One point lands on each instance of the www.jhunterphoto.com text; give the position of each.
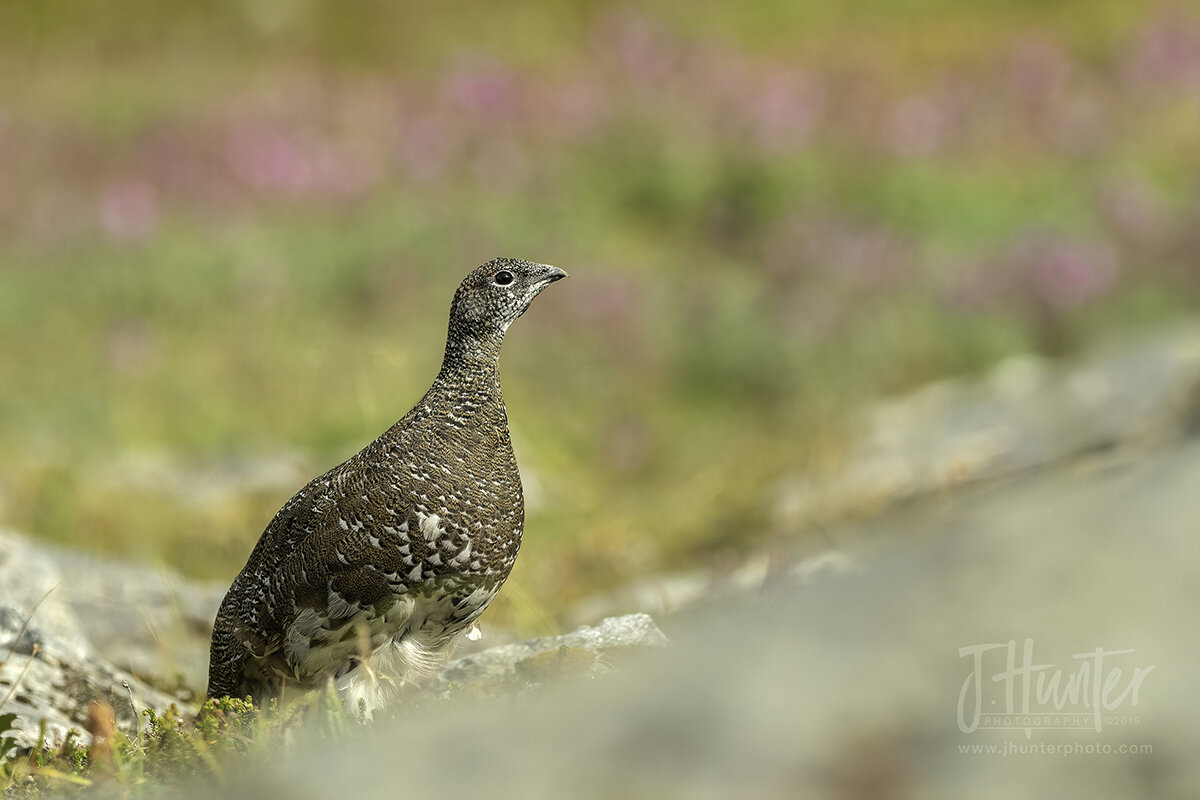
(1021, 747)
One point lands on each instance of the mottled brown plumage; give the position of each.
(371, 571)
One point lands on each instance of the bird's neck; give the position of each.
(472, 362)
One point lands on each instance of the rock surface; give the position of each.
(1027, 413)
(588, 650)
(49, 670)
(149, 621)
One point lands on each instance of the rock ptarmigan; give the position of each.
(368, 575)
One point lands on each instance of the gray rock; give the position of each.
(1027, 413)
(665, 595)
(585, 651)
(149, 621)
(30, 579)
(48, 668)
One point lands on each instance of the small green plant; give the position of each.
(7, 743)
(169, 748)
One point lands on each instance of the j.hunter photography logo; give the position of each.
(1005, 689)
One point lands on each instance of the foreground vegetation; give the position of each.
(168, 749)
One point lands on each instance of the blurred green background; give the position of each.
(229, 233)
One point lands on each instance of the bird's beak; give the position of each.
(554, 273)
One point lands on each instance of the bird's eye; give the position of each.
(503, 278)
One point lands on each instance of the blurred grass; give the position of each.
(230, 231)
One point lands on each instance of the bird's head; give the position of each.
(494, 295)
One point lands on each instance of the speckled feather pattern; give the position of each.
(370, 572)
